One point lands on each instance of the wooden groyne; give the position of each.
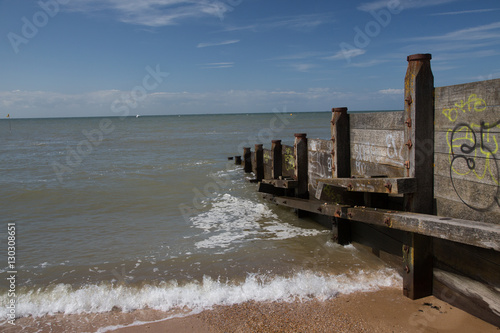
(420, 187)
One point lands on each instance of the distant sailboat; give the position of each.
(137, 116)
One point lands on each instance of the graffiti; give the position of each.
(392, 149)
(267, 156)
(473, 104)
(478, 158)
(363, 154)
(289, 159)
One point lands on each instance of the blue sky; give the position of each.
(155, 57)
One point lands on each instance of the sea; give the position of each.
(114, 218)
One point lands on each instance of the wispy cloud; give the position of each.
(403, 4)
(154, 13)
(215, 65)
(487, 31)
(346, 54)
(299, 22)
(391, 91)
(227, 42)
(475, 11)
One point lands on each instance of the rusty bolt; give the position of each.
(408, 122)
(387, 221)
(406, 248)
(335, 237)
(409, 100)
(388, 186)
(338, 213)
(407, 269)
(350, 187)
(407, 164)
(409, 144)
(284, 202)
(319, 209)
(349, 215)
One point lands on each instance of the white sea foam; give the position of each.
(196, 295)
(232, 220)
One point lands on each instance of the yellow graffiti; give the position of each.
(473, 104)
(466, 135)
(289, 159)
(267, 156)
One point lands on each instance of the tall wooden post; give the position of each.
(301, 165)
(277, 157)
(341, 163)
(247, 160)
(341, 153)
(259, 162)
(419, 140)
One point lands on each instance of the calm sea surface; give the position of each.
(147, 212)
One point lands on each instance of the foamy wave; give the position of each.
(233, 220)
(196, 295)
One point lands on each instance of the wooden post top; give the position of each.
(276, 141)
(300, 135)
(419, 56)
(342, 110)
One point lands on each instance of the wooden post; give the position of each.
(419, 152)
(277, 158)
(301, 165)
(259, 162)
(237, 160)
(341, 153)
(419, 132)
(247, 160)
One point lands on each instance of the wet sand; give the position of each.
(382, 311)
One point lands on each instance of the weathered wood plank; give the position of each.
(470, 102)
(327, 193)
(474, 262)
(281, 183)
(378, 120)
(452, 208)
(471, 296)
(374, 185)
(373, 169)
(313, 206)
(473, 196)
(288, 159)
(267, 162)
(479, 234)
(340, 137)
(489, 115)
(301, 166)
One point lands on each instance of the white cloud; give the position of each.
(475, 11)
(346, 54)
(400, 4)
(227, 42)
(214, 65)
(482, 32)
(391, 91)
(154, 13)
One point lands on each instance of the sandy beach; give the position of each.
(381, 311)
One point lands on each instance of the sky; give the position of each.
(80, 58)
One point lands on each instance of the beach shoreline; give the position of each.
(385, 310)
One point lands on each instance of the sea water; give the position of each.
(148, 213)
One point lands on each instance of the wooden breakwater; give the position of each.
(420, 187)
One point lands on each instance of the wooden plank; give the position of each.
(476, 196)
(455, 209)
(288, 159)
(448, 120)
(479, 234)
(393, 120)
(470, 102)
(469, 295)
(320, 166)
(327, 193)
(378, 146)
(473, 262)
(276, 156)
(313, 206)
(374, 185)
(371, 169)
(267, 163)
(340, 137)
(281, 183)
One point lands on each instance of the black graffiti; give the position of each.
(465, 151)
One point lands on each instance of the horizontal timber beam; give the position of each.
(374, 185)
